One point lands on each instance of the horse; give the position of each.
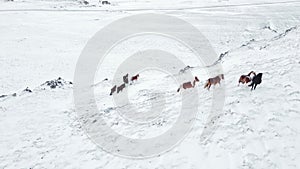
(133, 78)
(112, 90)
(214, 81)
(125, 78)
(246, 78)
(121, 87)
(256, 80)
(188, 84)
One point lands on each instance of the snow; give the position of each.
(258, 129)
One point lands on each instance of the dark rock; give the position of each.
(85, 2)
(27, 90)
(185, 69)
(105, 3)
(52, 86)
(57, 83)
(1, 96)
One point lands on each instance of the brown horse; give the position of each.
(121, 87)
(214, 81)
(125, 78)
(112, 90)
(188, 84)
(133, 78)
(246, 78)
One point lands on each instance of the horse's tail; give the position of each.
(240, 81)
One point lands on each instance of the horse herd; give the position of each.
(122, 86)
(252, 77)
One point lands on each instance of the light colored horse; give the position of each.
(214, 81)
(188, 84)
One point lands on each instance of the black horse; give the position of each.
(255, 81)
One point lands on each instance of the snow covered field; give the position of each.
(42, 40)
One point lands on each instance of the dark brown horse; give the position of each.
(214, 81)
(246, 78)
(121, 87)
(134, 78)
(112, 90)
(125, 78)
(188, 84)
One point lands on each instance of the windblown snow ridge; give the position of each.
(250, 42)
(262, 43)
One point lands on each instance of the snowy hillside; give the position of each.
(39, 125)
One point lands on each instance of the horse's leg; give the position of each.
(179, 88)
(252, 86)
(206, 84)
(255, 86)
(111, 91)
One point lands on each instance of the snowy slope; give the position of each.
(258, 129)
